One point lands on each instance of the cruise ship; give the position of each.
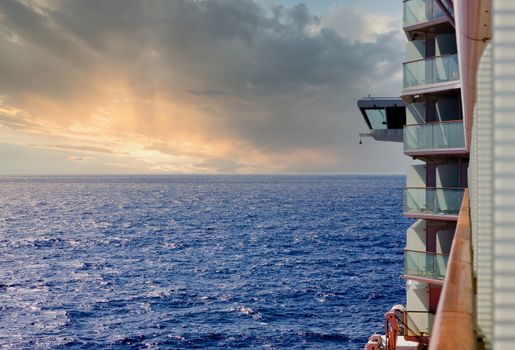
(456, 119)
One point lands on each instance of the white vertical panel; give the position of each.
(416, 236)
(415, 50)
(482, 195)
(417, 299)
(472, 180)
(415, 113)
(504, 174)
(416, 175)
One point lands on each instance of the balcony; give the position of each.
(425, 265)
(455, 326)
(428, 71)
(439, 203)
(441, 137)
(420, 11)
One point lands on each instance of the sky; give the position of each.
(195, 86)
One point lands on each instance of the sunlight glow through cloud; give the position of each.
(212, 86)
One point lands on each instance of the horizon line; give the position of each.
(207, 174)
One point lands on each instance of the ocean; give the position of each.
(198, 262)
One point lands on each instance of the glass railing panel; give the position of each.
(436, 11)
(434, 136)
(419, 264)
(439, 67)
(440, 266)
(444, 68)
(414, 73)
(411, 138)
(415, 137)
(453, 66)
(415, 200)
(436, 201)
(447, 201)
(414, 12)
(425, 264)
(420, 11)
(431, 71)
(448, 135)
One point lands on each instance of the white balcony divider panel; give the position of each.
(416, 175)
(504, 173)
(415, 113)
(417, 296)
(417, 299)
(481, 205)
(416, 236)
(415, 50)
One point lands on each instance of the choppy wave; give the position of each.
(182, 262)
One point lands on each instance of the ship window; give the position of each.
(377, 118)
(396, 117)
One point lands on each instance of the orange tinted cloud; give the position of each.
(185, 86)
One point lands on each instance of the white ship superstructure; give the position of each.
(459, 125)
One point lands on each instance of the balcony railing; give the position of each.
(434, 136)
(432, 201)
(425, 264)
(431, 71)
(454, 326)
(419, 11)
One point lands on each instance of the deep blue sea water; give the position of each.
(189, 262)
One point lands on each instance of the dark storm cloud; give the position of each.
(279, 79)
(228, 45)
(44, 58)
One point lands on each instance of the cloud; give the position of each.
(80, 148)
(211, 85)
(79, 159)
(17, 123)
(350, 22)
